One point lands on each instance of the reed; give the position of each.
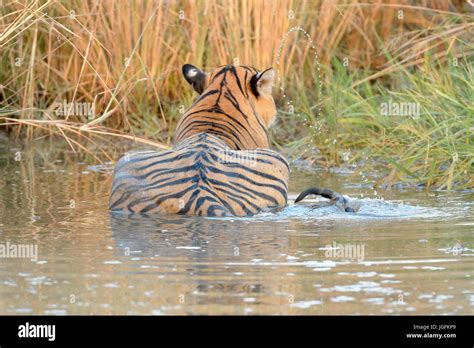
(124, 58)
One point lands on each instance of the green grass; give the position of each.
(434, 148)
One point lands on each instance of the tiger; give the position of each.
(221, 163)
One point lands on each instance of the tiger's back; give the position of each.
(221, 164)
(206, 178)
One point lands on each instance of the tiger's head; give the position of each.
(241, 87)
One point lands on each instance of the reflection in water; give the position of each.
(211, 239)
(418, 249)
(205, 247)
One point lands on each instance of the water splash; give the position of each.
(366, 209)
(288, 100)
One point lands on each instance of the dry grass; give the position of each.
(125, 57)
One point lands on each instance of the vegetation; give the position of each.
(386, 85)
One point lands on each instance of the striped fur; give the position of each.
(220, 164)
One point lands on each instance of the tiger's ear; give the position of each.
(195, 77)
(262, 83)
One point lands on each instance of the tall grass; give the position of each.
(433, 146)
(125, 58)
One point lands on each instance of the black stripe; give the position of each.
(223, 202)
(163, 184)
(213, 110)
(234, 72)
(252, 193)
(274, 155)
(230, 97)
(211, 124)
(212, 208)
(163, 199)
(205, 95)
(203, 199)
(189, 203)
(243, 177)
(236, 198)
(134, 188)
(257, 117)
(157, 173)
(135, 159)
(177, 157)
(255, 172)
(246, 92)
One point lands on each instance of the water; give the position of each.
(403, 252)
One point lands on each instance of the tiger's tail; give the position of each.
(326, 193)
